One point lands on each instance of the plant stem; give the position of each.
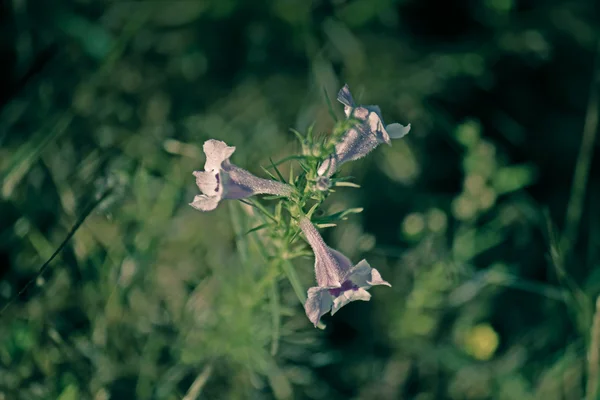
(593, 357)
(584, 160)
(196, 388)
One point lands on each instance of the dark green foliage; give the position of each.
(483, 218)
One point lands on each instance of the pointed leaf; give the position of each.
(258, 228)
(268, 173)
(281, 178)
(329, 105)
(347, 184)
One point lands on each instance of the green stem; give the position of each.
(584, 160)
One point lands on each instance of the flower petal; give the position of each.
(331, 266)
(207, 181)
(239, 184)
(374, 109)
(360, 274)
(343, 262)
(328, 167)
(376, 279)
(396, 131)
(363, 276)
(323, 183)
(317, 304)
(205, 203)
(376, 127)
(348, 296)
(360, 113)
(216, 153)
(345, 97)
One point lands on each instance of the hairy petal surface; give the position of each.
(223, 180)
(363, 138)
(339, 282)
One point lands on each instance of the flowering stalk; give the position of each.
(339, 281)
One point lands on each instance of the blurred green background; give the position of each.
(484, 218)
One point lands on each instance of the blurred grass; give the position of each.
(151, 299)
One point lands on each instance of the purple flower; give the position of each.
(359, 140)
(339, 281)
(223, 180)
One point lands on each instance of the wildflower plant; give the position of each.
(338, 280)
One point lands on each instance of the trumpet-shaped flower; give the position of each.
(339, 281)
(223, 180)
(361, 139)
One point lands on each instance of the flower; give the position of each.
(323, 183)
(223, 180)
(339, 282)
(359, 140)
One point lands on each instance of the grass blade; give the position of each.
(72, 232)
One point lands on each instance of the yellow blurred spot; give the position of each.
(463, 207)
(413, 224)
(487, 198)
(481, 341)
(366, 242)
(474, 183)
(437, 220)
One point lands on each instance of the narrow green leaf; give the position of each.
(338, 216)
(22, 159)
(196, 389)
(309, 134)
(296, 254)
(290, 273)
(347, 184)
(305, 167)
(87, 211)
(258, 228)
(260, 207)
(276, 317)
(294, 236)
(238, 223)
(273, 197)
(281, 178)
(285, 159)
(268, 173)
(298, 135)
(326, 225)
(580, 302)
(312, 210)
(278, 210)
(329, 105)
(71, 392)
